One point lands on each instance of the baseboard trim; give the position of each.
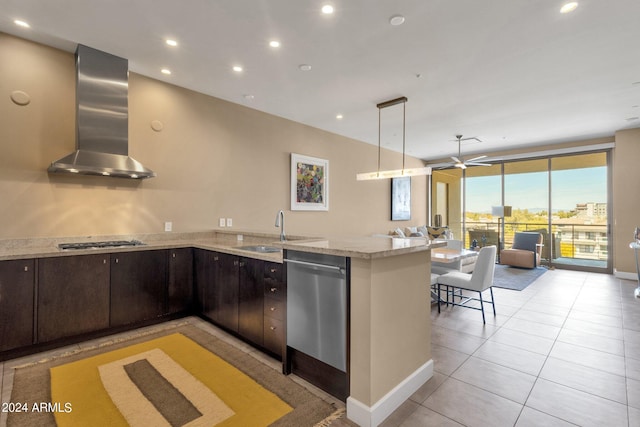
(373, 416)
(625, 275)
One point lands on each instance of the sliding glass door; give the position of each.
(580, 219)
(566, 198)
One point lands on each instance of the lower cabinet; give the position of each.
(251, 300)
(244, 295)
(275, 308)
(17, 282)
(138, 286)
(180, 284)
(73, 295)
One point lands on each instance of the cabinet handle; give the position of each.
(235, 262)
(273, 290)
(215, 258)
(273, 270)
(173, 254)
(26, 268)
(272, 308)
(104, 261)
(116, 260)
(241, 264)
(273, 328)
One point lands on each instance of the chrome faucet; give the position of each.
(279, 221)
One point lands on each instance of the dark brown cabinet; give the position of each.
(138, 286)
(225, 290)
(73, 295)
(217, 287)
(251, 300)
(17, 281)
(180, 285)
(275, 308)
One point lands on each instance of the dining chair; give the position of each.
(480, 280)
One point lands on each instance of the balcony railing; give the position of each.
(573, 240)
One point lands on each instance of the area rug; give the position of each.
(179, 376)
(515, 278)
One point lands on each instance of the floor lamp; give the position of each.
(501, 212)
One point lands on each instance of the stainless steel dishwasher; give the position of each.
(317, 300)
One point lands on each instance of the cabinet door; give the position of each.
(225, 293)
(73, 295)
(138, 286)
(203, 277)
(16, 303)
(180, 287)
(251, 300)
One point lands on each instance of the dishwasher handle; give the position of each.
(313, 264)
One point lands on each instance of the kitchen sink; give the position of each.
(260, 248)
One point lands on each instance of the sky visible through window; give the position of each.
(530, 190)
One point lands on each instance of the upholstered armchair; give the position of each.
(525, 251)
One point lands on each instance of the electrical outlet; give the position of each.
(229, 222)
(221, 222)
(168, 226)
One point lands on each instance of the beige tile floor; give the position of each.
(563, 352)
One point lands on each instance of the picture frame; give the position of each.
(401, 199)
(309, 183)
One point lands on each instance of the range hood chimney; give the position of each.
(102, 119)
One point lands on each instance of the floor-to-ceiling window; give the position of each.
(563, 197)
(579, 203)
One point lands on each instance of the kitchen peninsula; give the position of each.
(389, 324)
(390, 327)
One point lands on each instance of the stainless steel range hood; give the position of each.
(102, 119)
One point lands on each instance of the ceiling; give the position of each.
(514, 73)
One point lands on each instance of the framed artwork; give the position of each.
(401, 199)
(309, 183)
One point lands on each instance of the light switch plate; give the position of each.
(221, 222)
(168, 226)
(229, 222)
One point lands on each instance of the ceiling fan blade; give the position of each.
(455, 159)
(440, 165)
(478, 164)
(460, 165)
(476, 158)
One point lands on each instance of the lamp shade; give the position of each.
(501, 211)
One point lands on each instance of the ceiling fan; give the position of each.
(458, 162)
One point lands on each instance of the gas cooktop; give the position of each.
(100, 245)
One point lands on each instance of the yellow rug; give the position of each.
(166, 381)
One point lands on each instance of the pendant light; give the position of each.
(396, 172)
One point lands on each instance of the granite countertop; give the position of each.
(228, 241)
(363, 247)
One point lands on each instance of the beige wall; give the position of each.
(213, 159)
(626, 198)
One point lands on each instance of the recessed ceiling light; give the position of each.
(304, 67)
(20, 23)
(274, 43)
(396, 20)
(237, 68)
(569, 7)
(327, 9)
(171, 42)
(339, 117)
(166, 71)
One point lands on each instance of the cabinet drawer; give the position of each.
(274, 308)
(274, 271)
(274, 335)
(274, 289)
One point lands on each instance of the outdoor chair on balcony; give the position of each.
(481, 279)
(525, 251)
